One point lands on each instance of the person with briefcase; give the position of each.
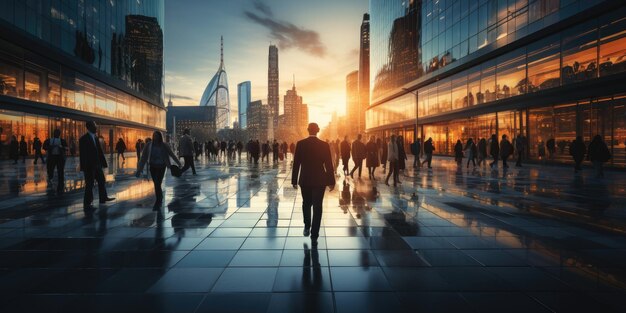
(157, 155)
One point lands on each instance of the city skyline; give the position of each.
(319, 55)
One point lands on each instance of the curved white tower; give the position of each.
(216, 94)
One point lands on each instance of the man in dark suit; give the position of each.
(92, 162)
(358, 155)
(56, 148)
(313, 163)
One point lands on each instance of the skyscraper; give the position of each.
(352, 102)
(62, 64)
(296, 116)
(548, 70)
(258, 116)
(364, 73)
(143, 38)
(216, 93)
(272, 85)
(243, 102)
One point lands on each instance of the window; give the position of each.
(444, 96)
(473, 86)
(544, 64)
(11, 80)
(511, 77)
(32, 87)
(613, 44)
(54, 90)
(580, 54)
(487, 82)
(459, 91)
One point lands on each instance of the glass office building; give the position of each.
(453, 69)
(243, 102)
(63, 62)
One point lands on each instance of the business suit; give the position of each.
(186, 150)
(92, 161)
(312, 171)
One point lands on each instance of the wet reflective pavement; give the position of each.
(535, 239)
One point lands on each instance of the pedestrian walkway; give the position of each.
(531, 239)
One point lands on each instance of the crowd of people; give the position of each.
(155, 153)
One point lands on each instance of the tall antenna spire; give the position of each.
(294, 81)
(221, 50)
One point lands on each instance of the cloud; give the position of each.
(175, 96)
(263, 8)
(288, 35)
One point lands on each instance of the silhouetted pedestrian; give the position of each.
(275, 151)
(312, 170)
(14, 149)
(37, 148)
(138, 147)
(92, 162)
(392, 156)
(56, 149)
(494, 150)
(120, 147)
(578, 150)
(506, 149)
(345, 155)
(23, 149)
(265, 150)
(186, 151)
(156, 155)
(239, 149)
(598, 153)
(358, 155)
(458, 153)
(372, 161)
(428, 151)
(416, 150)
(401, 153)
(471, 149)
(482, 151)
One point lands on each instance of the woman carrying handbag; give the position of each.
(157, 155)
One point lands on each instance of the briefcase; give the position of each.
(175, 170)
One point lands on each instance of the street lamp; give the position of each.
(416, 110)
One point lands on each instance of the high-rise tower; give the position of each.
(216, 93)
(364, 72)
(272, 84)
(243, 102)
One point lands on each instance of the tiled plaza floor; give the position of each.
(535, 239)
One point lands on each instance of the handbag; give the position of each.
(175, 170)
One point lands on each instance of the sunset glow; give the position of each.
(316, 45)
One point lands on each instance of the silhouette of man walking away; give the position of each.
(92, 162)
(313, 163)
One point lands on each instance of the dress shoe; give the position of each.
(306, 232)
(107, 199)
(314, 242)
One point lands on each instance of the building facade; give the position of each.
(243, 102)
(364, 72)
(296, 117)
(65, 62)
(547, 69)
(273, 97)
(216, 94)
(353, 106)
(258, 120)
(200, 120)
